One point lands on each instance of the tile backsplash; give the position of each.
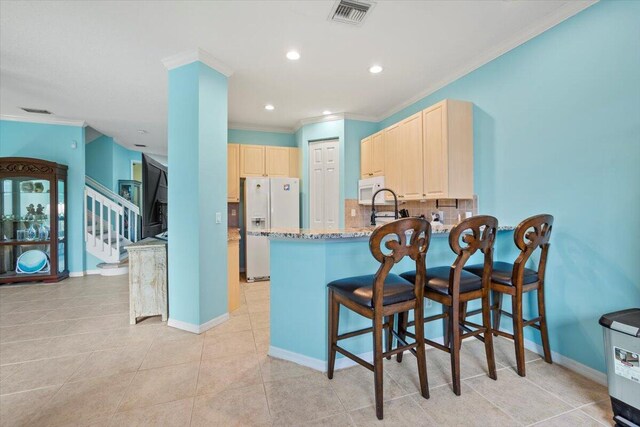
(362, 216)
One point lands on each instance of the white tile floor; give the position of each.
(69, 357)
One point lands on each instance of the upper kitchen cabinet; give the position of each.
(294, 163)
(252, 160)
(277, 161)
(411, 154)
(233, 173)
(261, 160)
(403, 169)
(448, 150)
(372, 156)
(393, 160)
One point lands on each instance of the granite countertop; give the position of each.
(148, 242)
(344, 233)
(233, 234)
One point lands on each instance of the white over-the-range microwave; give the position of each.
(368, 186)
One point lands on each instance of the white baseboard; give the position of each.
(570, 364)
(76, 273)
(84, 273)
(198, 329)
(92, 272)
(312, 362)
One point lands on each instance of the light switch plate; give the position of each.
(353, 212)
(233, 212)
(218, 217)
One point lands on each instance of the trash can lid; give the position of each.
(625, 321)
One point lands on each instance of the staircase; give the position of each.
(111, 223)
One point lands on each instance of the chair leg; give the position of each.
(488, 336)
(334, 316)
(496, 308)
(454, 345)
(445, 325)
(402, 328)
(377, 362)
(420, 350)
(518, 332)
(544, 332)
(390, 320)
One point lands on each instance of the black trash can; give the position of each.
(622, 355)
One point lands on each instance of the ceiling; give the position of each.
(101, 61)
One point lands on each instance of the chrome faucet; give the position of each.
(373, 204)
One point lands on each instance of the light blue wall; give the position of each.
(238, 136)
(354, 132)
(122, 158)
(197, 134)
(309, 133)
(557, 130)
(108, 162)
(53, 143)
(99, 160)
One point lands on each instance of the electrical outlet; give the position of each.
(233, 212)
(218, 217)
(353, 212)
(428, 303)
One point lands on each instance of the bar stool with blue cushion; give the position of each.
(453, 287)
(516, 279)
(380, 296)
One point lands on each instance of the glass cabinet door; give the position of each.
(25, 226)
(62, 227)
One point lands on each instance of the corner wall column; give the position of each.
(197, 151)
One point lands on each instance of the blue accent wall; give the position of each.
(239, 136)
(557, 130)
(108, 162)
(53, 143)
(197, 134)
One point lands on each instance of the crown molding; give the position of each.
(49, 120)
(259, 128)
(333, 117)
(203, 56)
(551, 20)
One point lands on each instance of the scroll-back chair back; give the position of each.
(531, 234)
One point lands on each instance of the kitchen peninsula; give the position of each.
(304, 261)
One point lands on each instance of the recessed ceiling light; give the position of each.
(142, 131)
(269, 107)
(140, 145)
(375, 69)
(293, 55)
(325, 112)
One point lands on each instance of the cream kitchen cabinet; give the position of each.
(252, 160)
(268, 161)
(294, 163)
(403, 158)
(448, 150)
(277, 161)
(233, 173)
(372, 156)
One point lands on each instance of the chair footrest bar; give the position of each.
(532, 321)
(399, 350)
(502, 333)
(437, 345)
(359, 332)
(355, 358)
(474, 312)
(473, 325)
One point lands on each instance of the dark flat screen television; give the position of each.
(155, 190)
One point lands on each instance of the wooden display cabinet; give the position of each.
(33, 221)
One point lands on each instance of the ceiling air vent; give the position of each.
(35, 110)
(351, 11)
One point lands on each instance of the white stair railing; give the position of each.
(110, 222)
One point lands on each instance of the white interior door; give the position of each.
(324, 184)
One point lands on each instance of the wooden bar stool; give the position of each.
(453, 287)
(383, 295)
(515, 279)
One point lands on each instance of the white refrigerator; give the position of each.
(269, 203)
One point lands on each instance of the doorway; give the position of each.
(136, 170)
(324, 184)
